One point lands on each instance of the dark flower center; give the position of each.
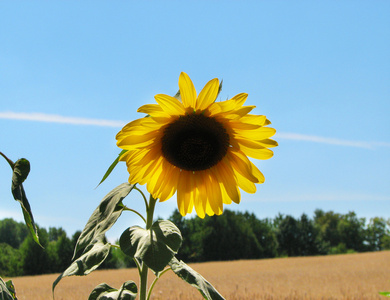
(195, 142)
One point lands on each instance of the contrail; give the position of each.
(52, 118)
(328, 140)
(49, 118)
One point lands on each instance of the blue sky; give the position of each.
(72, 72)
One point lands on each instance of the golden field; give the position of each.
(350, 276)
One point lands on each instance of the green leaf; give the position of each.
(104, 216)
(93, 256)
(128, 291)
(91, 243)
(21, 169)
(113, 165)
(11, 163)
(7, 290)
(155, 246)
(387, 294)
(195, 279)
(11, 288)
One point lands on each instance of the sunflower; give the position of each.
(196, 147)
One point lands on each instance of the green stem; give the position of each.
(143, 196)
(11, 163)
(136, 212)
(155, 281)
(138, 266)
(115, 246)
(144, 268)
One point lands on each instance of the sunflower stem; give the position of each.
(155, 281)
(144, 269)
(11, 163)
(136, 212)
(143, 196)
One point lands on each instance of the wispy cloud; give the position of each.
(52, 118)
(40, 117)
(328, 140)
(325, 197)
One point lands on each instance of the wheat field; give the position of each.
(351, 276)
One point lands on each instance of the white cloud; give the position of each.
(330, 141)
(325, 197)
(52, 118)
(40, 117)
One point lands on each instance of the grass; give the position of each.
(351, 276)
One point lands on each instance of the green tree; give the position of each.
(327, 223)
(265, 235)
(75, 237)
(35, 260)
(116, 259)
(377, 234)
(9, 261)
(193, 231)
(64, 252)
(308, 237)
(55, 233)
(230, 237)
(288, 237)
(13, 233)
(351, 231)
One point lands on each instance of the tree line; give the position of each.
(233, 235)
(236, 235)
(21, 255)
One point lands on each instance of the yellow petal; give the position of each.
(170, 105)
(125, 156)
(239, 113)
(201, 201)
(163, 120)
(239, 196)
(225, 175)
(248, 143)
(256, 134)
(142, 169)
(153, 183)
(239, 99)
(254, 119)
(222, 107)
(142, 129)
(213, 194)
(208, 94)
(257, 173)
(268, 143)
(245, 184)
(213, 109)
(238, 124)
(169, 186)
(181, 193)
(209, 210)
(198, 203)
(241, 164)
(187, 90)
(257, 152)
(150, 109)
(138, 140)
(225, 197)
(185, 192)
(129, 126)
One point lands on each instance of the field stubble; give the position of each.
(352, 276)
